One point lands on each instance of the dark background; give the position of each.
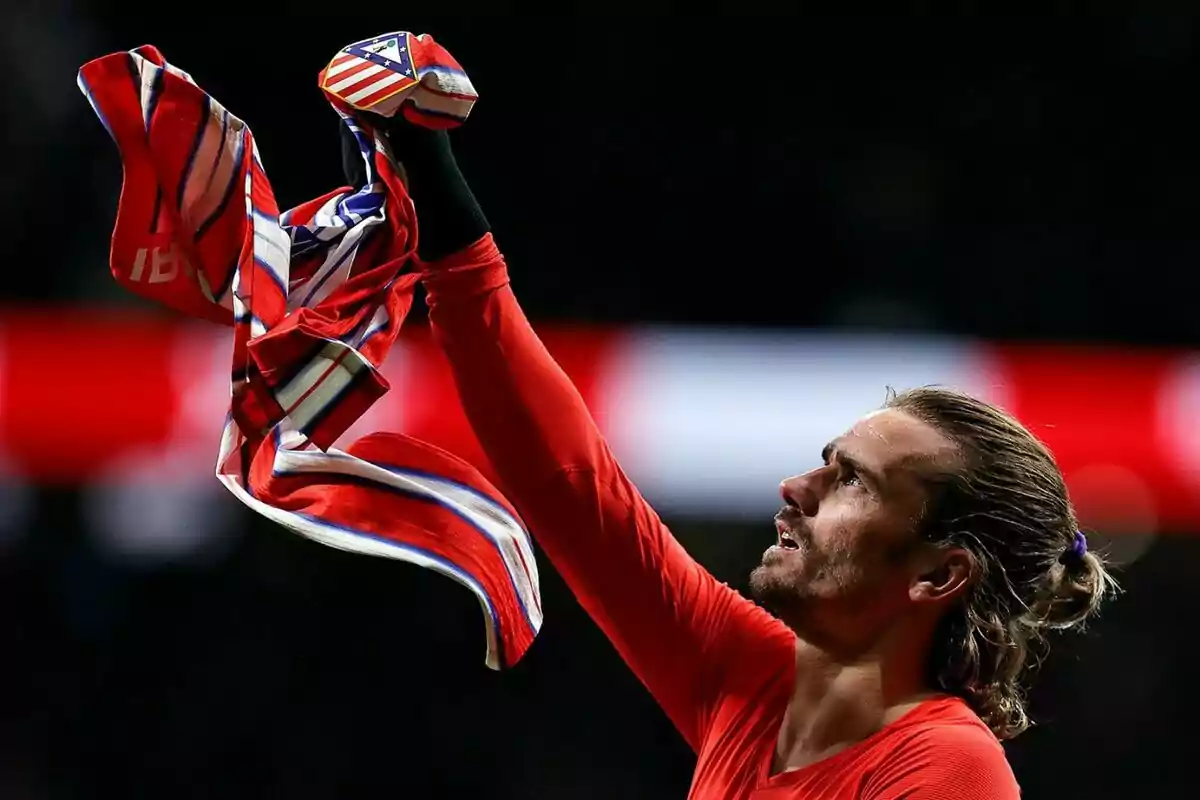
(1014, 179)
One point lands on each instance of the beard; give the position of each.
(782, 583)
(795, 585)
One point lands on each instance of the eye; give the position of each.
(848, 477)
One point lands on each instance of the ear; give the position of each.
(944, 576)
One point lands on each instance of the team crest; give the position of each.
(374, 74)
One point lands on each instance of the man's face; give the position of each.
(848, 529)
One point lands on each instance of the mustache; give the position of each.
(795, 522)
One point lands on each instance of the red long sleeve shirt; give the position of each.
(721, 668)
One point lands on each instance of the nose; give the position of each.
(799, 492)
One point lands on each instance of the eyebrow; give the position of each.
(831, 453)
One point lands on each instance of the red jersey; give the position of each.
(721, 668)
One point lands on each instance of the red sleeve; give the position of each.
(676, 626)
(949, 762)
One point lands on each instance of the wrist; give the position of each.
(448, 215)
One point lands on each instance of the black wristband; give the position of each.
(352, 160)
(449, 217)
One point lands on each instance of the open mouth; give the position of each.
(786, 539)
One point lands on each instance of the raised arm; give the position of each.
(685, 634)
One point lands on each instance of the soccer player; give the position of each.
(913, 575)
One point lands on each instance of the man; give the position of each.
(913, 573)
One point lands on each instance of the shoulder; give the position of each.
(948, 753)
(748, 645)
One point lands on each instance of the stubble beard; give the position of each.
(782, 592)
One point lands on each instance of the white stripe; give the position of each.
(382, 83)
(442, 105)
(513, 540)
(227, 452)
(330, 386)
(327, 217)
(333, 260)
(318, 384)
(292, 439)
(446, 80)
(217, 160)
(325, 224)
(343, 266)
(147, 71)
(271, 243)
(347, 82)
(177, 71)
(338, 69)
(341, 539)
(87, 93)
(272, 246)
(491, 518)
(378, 321)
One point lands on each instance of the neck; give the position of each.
(842, 698)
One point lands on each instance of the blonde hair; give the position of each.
(1006, 503)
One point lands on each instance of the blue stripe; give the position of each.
(355, 379)
(249, 319)
(230, 273)
(91, 98)
(372, 333)
(416, 473)
(155, 87)
(366, 204)
(282, 379)
(189, 165)
(330, 272)
(440, 68)
(404, 472)
(454, 569)
(450, 566)
(437, 501)
(275, 279)
(229, 188)
(157, 213)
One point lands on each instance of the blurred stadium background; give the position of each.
(735, 233)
